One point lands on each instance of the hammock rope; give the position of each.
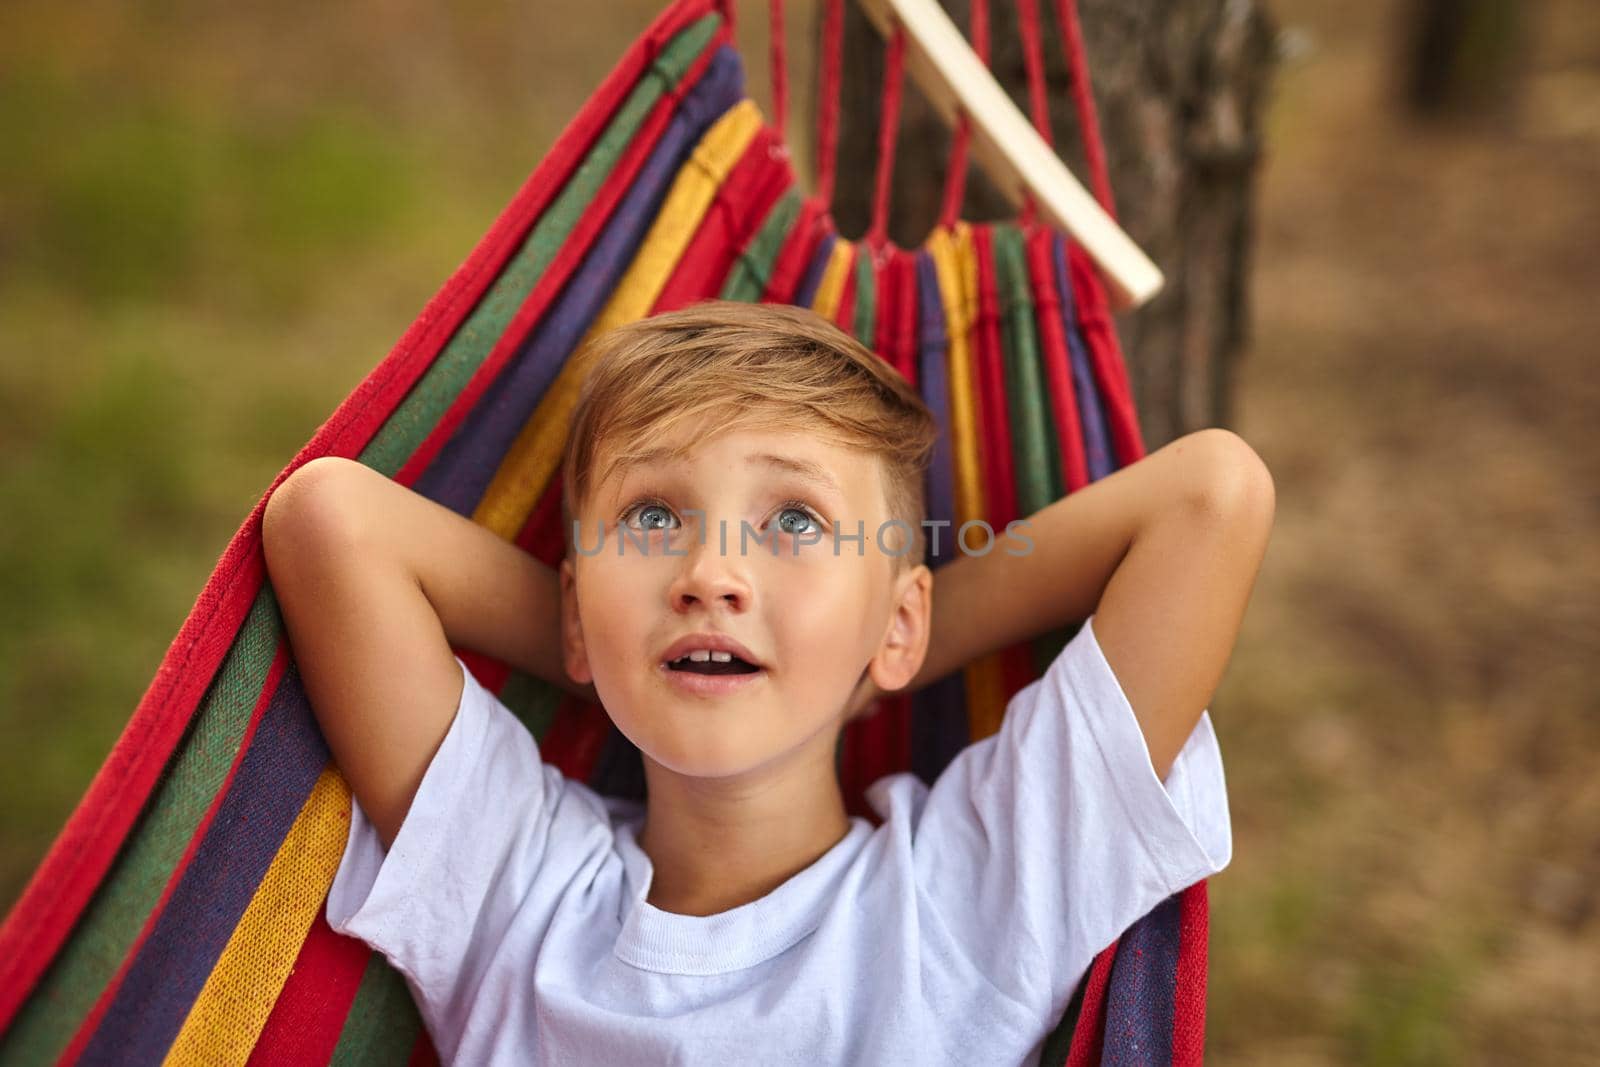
(888, 132)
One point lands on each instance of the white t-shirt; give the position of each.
(513, 898)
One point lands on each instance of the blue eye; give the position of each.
(647, 508)
(808, 519)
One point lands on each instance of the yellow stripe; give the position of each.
(233, 1005)
(830, 290)
(969, 500)
(956, 265)
(963, 419)
(532, 460)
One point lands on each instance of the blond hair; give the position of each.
(729, 366)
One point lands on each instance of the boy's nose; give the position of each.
(707, 577)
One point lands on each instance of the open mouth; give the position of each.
(733, 665)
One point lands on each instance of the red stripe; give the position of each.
(311, 1011)
(55, 896)
(575, 738)
(909, 336)
(423, 1053)
(490, 672)
(1088, 1034)
(90, 1022)
(1105, 356)
(566, 260)
(1189, 993)
(1039, 243)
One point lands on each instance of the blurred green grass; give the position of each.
(189, 291)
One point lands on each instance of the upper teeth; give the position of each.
(700, 655)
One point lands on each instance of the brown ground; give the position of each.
(1410, 717)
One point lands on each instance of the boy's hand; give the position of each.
(377, 584)
(1163, 553)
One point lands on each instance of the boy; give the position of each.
(738, 584)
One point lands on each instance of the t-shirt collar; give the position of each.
(740, 937)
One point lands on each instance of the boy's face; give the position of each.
(814, 619)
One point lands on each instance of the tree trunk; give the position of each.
(1180, 86)
(1461, 56)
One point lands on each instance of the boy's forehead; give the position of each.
(828, 466)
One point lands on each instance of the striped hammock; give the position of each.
(179, 915)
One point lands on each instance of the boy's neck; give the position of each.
(712, 851)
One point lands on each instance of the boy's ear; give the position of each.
(574, 657)
(905, 643)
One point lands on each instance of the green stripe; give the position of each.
(383, 1023)
(533, 700)
(753, 268)
(866, 321)
(1035, 452)
(411, 421)
(1030, 430)
(132, 886)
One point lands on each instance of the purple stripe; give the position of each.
(268, 791)
(939, 728)
(806, 295)
(1141, 995)
(459, 475)
(933, 378)
(1096, 441)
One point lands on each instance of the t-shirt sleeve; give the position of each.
(479, 829)
(1042, 844)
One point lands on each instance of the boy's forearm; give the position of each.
(514, 616)
(985, 603)
(489, 594)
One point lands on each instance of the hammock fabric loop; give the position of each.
(828, 82)
(888, 131)
(780, 66)
(955, 174)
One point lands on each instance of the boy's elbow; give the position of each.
(312, 509)
(1230, 481)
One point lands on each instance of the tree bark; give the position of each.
(1180, 86)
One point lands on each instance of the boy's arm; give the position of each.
(1164, 554)
(376, 583)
